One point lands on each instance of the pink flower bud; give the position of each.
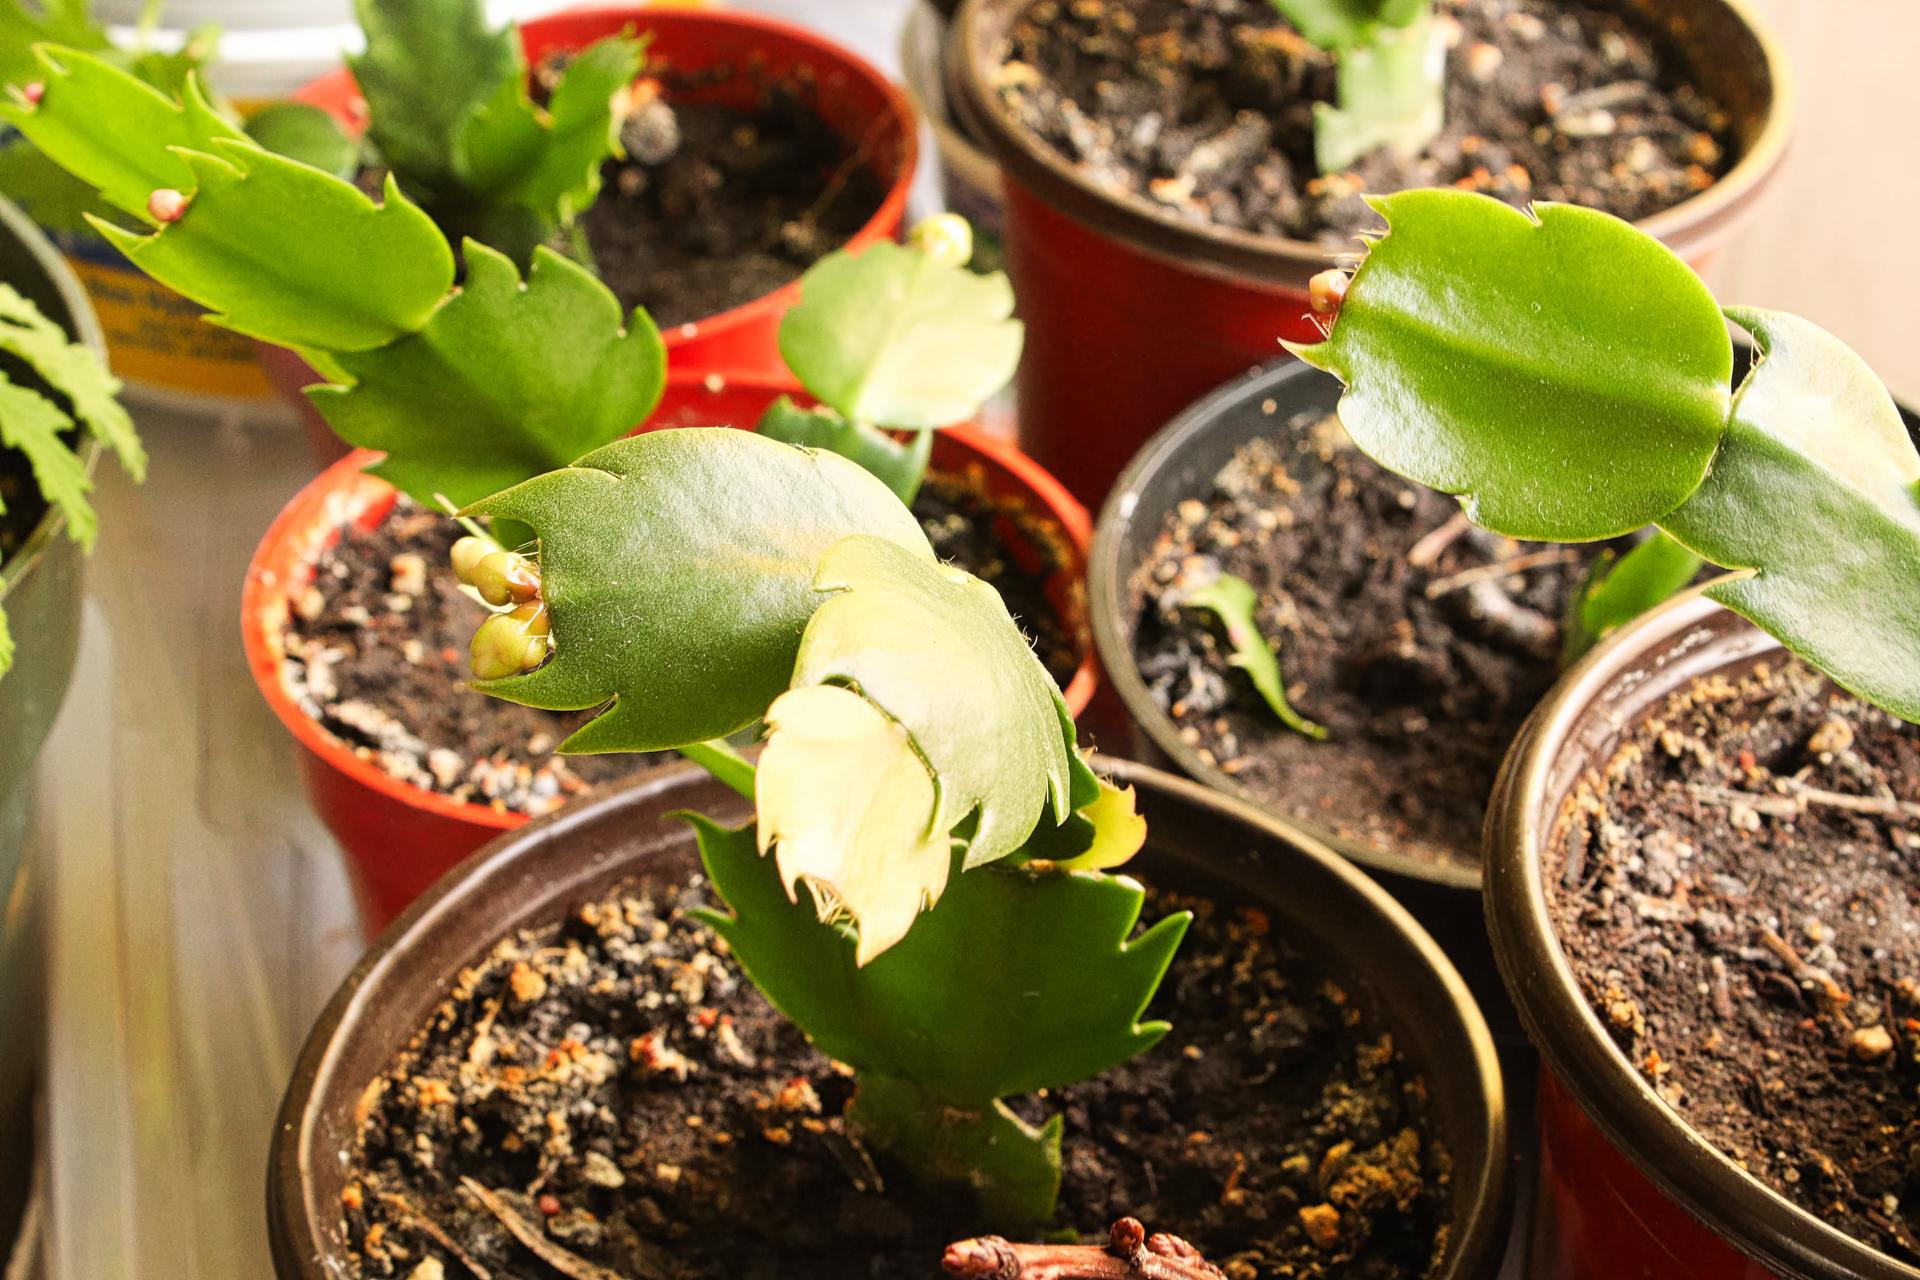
(166, 205)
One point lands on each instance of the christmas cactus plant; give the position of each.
(1389, 67)
(451, 120)
(1570, 379)
(927, 887)
(465, 389)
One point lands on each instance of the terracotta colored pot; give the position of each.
(1627, 1189)
(853, 97)
(1133, 311)
(40, 586)
(1201, 843)
(400, 838)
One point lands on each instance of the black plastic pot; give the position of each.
(1179, 463)
(1627, 1188)
(1201, 843)
(40, 589)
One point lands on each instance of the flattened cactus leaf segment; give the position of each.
(282, 252)
(892, 337)
(506, 381)
(678, 568)
(935, 1009)
(116, 134)
(935, 649)
(1813, 494)
(1564, 374)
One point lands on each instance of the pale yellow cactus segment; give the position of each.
(847, 804)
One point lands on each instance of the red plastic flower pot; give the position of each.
(853, 97)
(1628, 1190)
(398, 838)
(1134, 312)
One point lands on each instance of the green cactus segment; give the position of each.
(550, 160)
(1014, 981)
(1813, 492)
(282, 252)
(894, 337)
(429, 68)
(1617, 592)
(1564, 374)
(900, 466)
(1010, 1168)
(507, 380)
(679, 570)
(1392, 93)
(120, 136)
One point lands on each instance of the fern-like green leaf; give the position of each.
(507, 381)
(41, 429)
(35, 425)
(75, 372)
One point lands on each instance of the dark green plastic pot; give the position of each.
(40, 589)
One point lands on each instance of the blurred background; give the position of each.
(198, 916)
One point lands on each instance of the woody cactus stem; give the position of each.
(1391, 75)
(1129, 1254)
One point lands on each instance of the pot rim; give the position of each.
(83, 326)
(305, 524)
(1475, 1250)
(1106, 580)
(920, 76)
(330, 92)
(1276, 262)
(1658, 1141)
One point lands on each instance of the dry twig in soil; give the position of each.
(1129, 1254)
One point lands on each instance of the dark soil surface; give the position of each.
(1738, 896)
(21, 505)
(377, 652)
(716, 206)
(1420, 665)
(629, 1097)
(1205, 107)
